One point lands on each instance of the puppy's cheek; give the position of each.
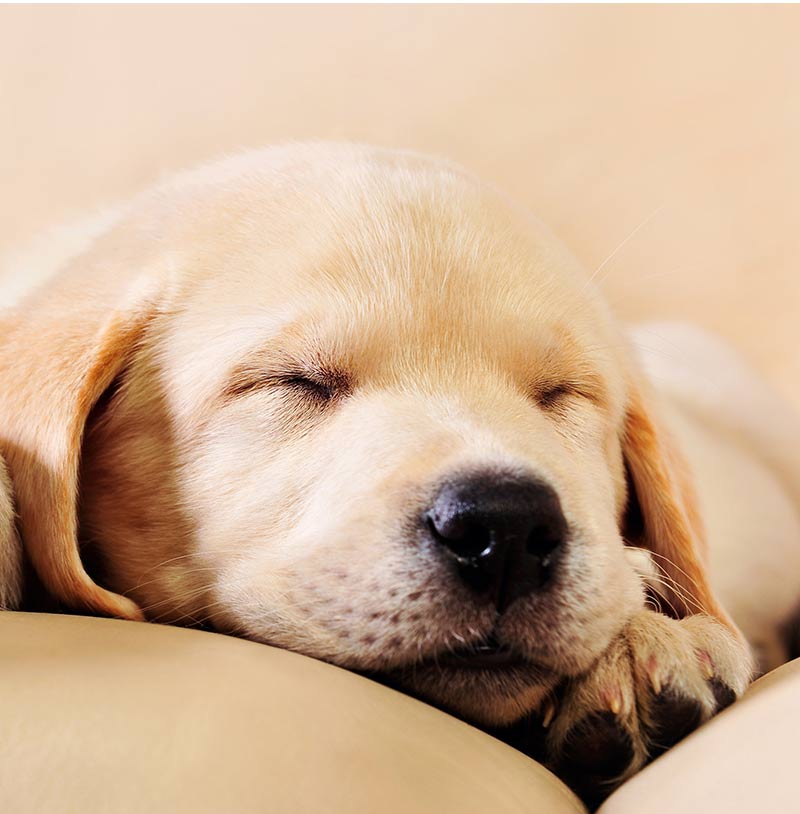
(366, 610)
(618, 598)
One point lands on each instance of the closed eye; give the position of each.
(557, 395)
(319, 386)
(551, 395)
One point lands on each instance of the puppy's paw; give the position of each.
(658, 681)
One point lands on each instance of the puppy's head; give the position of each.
(351, 403)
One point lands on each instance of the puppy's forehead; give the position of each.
(375, 256)
(378, 232)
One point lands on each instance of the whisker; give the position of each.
(672, 563)
(178, 600)
(682, 591)
(667, 582)
(621, 245)
(654, 581)
(172, 560)
(187, 572)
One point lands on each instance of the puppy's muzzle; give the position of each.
(503, 533)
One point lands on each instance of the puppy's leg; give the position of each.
(658, 681)
(10, 549)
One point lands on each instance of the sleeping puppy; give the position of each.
(354, 403)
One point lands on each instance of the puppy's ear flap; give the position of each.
(60, 350)
(671, 525)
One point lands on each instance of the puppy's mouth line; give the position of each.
(486, 655)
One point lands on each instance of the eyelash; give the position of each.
(319, 387)
(319, 390)
(552, 396)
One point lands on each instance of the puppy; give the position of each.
(354, 403)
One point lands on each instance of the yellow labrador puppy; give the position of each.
(354, 403)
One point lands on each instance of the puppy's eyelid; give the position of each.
(316, 387)
(322, 385)
(550, 396)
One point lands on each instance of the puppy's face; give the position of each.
(380, 424)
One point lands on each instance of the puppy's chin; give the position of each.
(486, 696)
(487, 684)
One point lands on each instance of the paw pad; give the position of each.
(723, 694)
(597, 750)
(673, 718)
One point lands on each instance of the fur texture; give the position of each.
(240, 398)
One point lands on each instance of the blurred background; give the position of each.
(661, 143)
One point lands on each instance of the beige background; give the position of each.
(681, 121)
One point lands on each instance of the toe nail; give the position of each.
(706, 665)
(548, 714)
(614, 701)
(653, 674)
(655, 681)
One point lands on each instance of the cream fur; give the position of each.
(151, 370)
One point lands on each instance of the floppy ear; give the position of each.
(672, 528)
(59, 351)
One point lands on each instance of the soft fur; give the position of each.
(153, 410)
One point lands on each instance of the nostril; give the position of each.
(466, 540)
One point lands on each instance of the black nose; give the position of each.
(502, 531)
